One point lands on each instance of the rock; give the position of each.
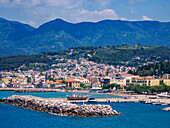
(166, 109)
(59, 107)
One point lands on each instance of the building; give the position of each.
(146, 81)
(97, 86)
(29, 85)
(5, 80)
(72, 83)
(166, 81)
(19, 80)
(85, 81)
(15, 85)
(52, 84)
(166, 76)
(2, 85)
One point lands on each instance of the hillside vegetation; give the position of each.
(126, 55)
(158, 69)
(17, 38)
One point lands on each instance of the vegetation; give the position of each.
(111, 86)
(51, 79)
(157, 69)
(148, 89)
(126, 55)
(17, 38)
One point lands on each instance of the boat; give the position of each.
(163, 95)
(92, 100)
(157, 103)
(76, 97)
(152, 97)
(164, 104)
(142, 101)
(148, 102)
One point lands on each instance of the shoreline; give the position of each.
(131, 98)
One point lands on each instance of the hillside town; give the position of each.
(78, 75)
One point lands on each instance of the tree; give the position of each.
(63, 81)
(81, 84)
(51, 79)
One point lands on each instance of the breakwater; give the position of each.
(166, 109)
(59, 107)
(23, 90)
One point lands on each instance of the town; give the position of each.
(79, 74)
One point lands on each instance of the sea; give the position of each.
(134, 115)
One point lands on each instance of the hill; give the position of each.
(58, 35)
(158, 69)
(127, 55)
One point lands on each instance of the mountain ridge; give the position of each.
(59, 34)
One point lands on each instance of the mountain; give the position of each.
(58, 34)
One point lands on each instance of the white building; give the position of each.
(2, 85)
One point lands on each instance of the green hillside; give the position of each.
(58, 35)
(126, 55)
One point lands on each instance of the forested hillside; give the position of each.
(126, 55)
(17, 38)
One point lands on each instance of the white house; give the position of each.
(97, 85)
(53, 84)
(2, 85)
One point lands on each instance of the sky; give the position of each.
(37, 12)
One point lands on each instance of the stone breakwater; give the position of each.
(23, 90)
(166, 109)
(59, 107)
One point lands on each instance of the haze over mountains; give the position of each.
(17, 38)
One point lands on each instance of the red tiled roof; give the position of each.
(51, 82)
(122, 85)
(97, 83)
(72, 80)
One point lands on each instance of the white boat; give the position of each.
(92, 100)
(157, 103)
(163, 95)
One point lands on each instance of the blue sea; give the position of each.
(135, 115)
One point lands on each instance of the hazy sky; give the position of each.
(37, 12)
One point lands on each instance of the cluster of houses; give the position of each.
(75, 73)
(36, 79)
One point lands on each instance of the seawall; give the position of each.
(59, 107)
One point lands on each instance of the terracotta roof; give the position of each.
(139, 78)
(97, 83)
(122, 85)
(51, 82)
(128, 74)
(72, 80)
(58, 81)
(15, 83)
(148, 78)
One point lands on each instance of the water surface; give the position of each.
(135, 115)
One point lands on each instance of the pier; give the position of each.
(59, 106)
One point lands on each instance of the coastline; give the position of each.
(131, 98)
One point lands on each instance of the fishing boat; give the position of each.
(76, 97)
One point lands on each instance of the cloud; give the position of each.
(132, 11)
(32, 23)
(146, 18)
(132, 2)
(94, 16)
